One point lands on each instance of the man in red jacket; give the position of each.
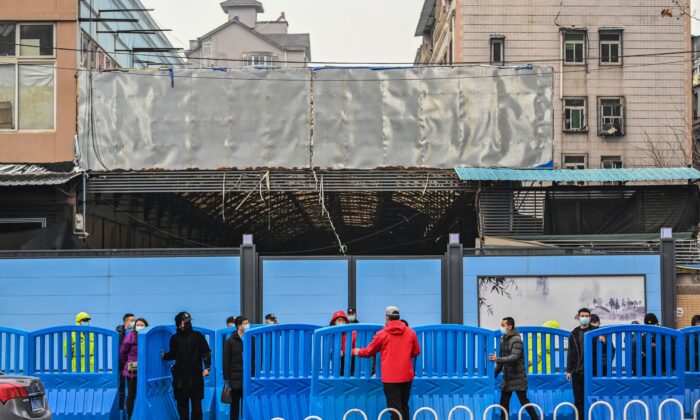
(398, 345)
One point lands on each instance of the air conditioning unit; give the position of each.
(79, 222)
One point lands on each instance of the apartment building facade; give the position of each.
(245, 41)
(623, 73)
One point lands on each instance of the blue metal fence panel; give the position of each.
(14, 351)
(453, 369)
(339, 381)
(413, 285)
(154, 387)
(277, 371)
(647, 363)
(545, 351)
(692, 368)
(80, 370)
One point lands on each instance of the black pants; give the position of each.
(122, 385)
(522, 397)
(183, 409)
(397, 396)
(131, 396)
(236, 395)
(579, 399)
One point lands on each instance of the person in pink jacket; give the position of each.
(128, 357)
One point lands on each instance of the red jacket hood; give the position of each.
(339, 314)
(395, 327)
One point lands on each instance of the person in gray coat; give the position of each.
(511, 361)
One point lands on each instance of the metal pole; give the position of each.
(250, 285)
(668, 280)
(453, 288)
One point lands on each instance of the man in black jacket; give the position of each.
(511, 361)
(574, 363)
(233, 365)
(190, 350)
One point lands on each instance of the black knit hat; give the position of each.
(651, 319)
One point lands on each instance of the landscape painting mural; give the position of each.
(535, 300)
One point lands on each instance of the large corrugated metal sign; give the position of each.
(476, 116)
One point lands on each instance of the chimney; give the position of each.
(193, 44)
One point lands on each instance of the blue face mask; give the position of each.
(584, 320)
(504, 331)
(246, 327)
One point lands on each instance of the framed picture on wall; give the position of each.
(532, 301)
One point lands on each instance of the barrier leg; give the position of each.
(355, 410)
(428, 409)
(491, 407)
(631, 403)
(460, 407)
(695, 410)
(520, 412)
(603, 403)
(670, 401)
(389, 410)
(565, 404)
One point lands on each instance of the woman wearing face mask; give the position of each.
(128, 356)
(233, 365)
(339, 319)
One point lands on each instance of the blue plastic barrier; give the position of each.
(453, 369)
(545, 351)
(79, 367)
(14, 351)
(692, 368)
(279, 357)
(340, 382)
(154, 388)
(648, 364)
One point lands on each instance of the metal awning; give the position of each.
(32, 175)
(580, 175)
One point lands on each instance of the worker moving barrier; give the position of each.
(634, 362)
(278, 358)
(692, 368)
(545, 361)
(14, 351)
(154, 388)
(453, 369)
(341, 382)
(79, 366)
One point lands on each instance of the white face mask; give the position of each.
(139, 328)
(85, 323)
(131, 325)
(246, 327)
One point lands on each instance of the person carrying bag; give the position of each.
(233, 368)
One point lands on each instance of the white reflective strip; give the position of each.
(631, 403)
(671, 401)
(565, 404)
(491, 407)
(460, 407)
(389, 410)
(313, 418)
(597, 403)
(428, 409)
(520, 412)
(355, 410)
(695, 410)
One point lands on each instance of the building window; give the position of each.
(27, 76)
(574, 162)
(610, 162)
(575, 115)
(575, 47)
(498, 50)
(207, 53)
(261, 60)
(611, 117)
(610, 47)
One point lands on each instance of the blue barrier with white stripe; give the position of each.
(79, 367)
(277, 371)
(692, 368)
(339, 381)
(14, 351)
(453, 369)
(154, 388)
(648, 364)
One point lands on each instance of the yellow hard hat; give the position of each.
(82, 316)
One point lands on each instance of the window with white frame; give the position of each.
(498, 50)
(610, 47)
(574, 47)
(207, 53)
(261, 60)
(611, 117)
(27, 76)
(610, 162)
(574, 162)
(575, 115)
